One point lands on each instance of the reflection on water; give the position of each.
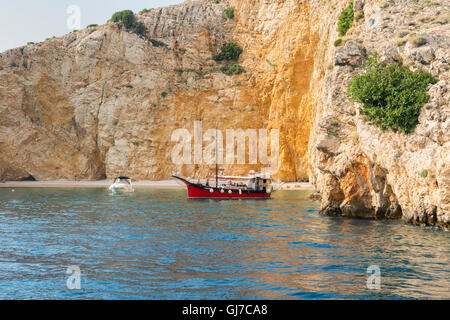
(156, 244)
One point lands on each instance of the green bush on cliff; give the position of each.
(144, 11)
(127, 18)
(391, 94)
(230, 51)
(139, 28)
(229, 13)
(232, 69)
(345, 20)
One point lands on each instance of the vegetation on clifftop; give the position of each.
(392, 95)
(127, 18)
(144, 11)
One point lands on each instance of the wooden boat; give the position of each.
(255, 186)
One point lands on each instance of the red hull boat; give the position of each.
(258, 186)
(261, 190)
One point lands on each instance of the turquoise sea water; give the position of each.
(156, 244)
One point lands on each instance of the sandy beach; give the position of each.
(136, 184)
(86, 184)
(297, 186)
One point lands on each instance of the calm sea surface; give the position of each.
(156, 244)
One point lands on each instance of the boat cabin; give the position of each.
(259, 183)
(122, 184)
(123, 180)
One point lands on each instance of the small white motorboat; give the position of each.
(122, 184)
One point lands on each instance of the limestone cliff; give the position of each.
(362, 170)
(102, 100)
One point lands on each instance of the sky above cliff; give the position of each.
(23, 21)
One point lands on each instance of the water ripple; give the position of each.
(156, 244)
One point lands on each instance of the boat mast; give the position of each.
(217, 168)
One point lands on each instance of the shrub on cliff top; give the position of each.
(345, 20)
(229, 51)
(127, 18)
(144, 11)
(392, 95)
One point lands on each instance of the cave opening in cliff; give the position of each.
(29, 178)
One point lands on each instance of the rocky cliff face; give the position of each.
(361, 170)
(94, 103)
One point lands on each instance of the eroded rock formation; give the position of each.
(362, 170)
(102, 100)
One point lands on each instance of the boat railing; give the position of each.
(222, 183)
